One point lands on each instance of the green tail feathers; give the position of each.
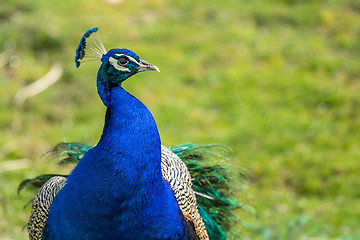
(65, 153)
(68, 152)
(217, 180)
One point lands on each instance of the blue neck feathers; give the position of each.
(130, 138)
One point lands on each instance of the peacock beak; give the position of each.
(145, 66)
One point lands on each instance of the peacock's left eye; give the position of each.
(123, 60)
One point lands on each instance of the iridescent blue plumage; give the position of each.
(125, 197)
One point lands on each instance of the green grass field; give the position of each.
(278, 81)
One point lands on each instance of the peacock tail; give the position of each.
(215, 181)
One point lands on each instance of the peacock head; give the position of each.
(120, 64)
(117, 64)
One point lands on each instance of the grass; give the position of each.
(278, 81)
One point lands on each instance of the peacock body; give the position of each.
(129, 186)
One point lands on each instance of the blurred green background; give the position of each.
(278, 81)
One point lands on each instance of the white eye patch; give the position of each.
(113, 62)
(130, 58)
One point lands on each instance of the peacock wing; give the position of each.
(41, 205)
(176, 173)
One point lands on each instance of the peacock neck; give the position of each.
(130, 138)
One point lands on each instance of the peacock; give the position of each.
(129, 186)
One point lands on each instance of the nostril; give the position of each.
(144, 63)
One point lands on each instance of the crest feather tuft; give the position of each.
(90, 42)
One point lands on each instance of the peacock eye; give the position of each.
(123, 60)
